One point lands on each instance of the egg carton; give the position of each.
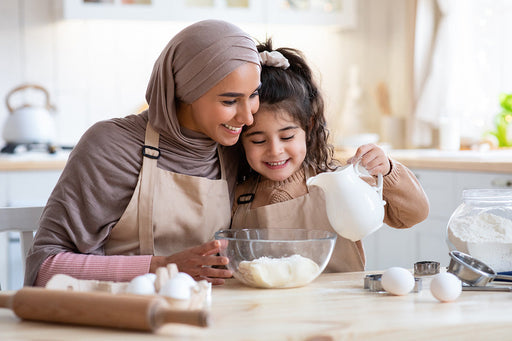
(199, 298)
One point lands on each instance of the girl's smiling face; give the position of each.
(275, 145)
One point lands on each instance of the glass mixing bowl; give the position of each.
(276, 258)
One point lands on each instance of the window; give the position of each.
(462, 64)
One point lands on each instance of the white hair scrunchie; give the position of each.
(275, 59)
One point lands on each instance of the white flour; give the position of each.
(485, 227)
(286, 272)
(487, 237)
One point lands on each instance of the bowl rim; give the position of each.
(329, 235)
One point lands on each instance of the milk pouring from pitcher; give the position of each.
(355, 209)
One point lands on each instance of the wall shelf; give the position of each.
(339, 13)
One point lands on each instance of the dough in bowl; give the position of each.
(285, 272)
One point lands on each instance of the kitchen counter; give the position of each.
(496, 161)
(333, 307)
(33, 161)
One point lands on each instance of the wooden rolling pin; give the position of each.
(137, 312)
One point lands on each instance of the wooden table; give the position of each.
(333, 307)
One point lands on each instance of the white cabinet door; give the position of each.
(389, 247)
(3, 189)
(430, 241)
(430, 233)
(3, 236)
(425, 241)
(29, 188)
(469, 180)
(440, 189)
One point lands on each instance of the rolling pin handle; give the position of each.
(6, 301)
(163, 315)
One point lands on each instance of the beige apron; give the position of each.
(169, 212)
(307, 211)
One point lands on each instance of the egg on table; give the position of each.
(445, 287)
(397, 281)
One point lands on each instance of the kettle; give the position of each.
(29, 123)
(355, 209)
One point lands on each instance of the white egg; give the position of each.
(397, 281)
(150, 276)
(186, 277)
(141, 285)
(178, 288)
(446, 287)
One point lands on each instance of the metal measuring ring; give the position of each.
(373, 282)
(426, 268)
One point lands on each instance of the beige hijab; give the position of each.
(102, 171)
(194, 61)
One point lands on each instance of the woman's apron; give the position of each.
(169, 212)
(307, 212)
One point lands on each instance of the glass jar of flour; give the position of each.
(482, 227)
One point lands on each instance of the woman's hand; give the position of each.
(372, 158)
(197, 262)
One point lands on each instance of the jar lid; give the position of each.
(494, 194)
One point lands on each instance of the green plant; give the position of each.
(503, 122)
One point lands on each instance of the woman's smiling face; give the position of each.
(275, 145)
(224, 109)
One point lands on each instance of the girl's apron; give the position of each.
(169, 212)
(308, 212)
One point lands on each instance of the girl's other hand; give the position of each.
(373, 158)
(197, 262)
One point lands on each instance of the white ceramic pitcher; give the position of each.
(354, 208)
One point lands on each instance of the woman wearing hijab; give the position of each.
(146, 190)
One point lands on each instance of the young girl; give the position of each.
(287, 143)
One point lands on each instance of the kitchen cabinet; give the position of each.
(176, 10)
(27, 188)
(340, 13)
(427, 241)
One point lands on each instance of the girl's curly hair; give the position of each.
(294, 91)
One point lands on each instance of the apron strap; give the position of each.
(150, 153)
(244, 203)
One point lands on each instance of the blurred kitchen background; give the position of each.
(408, 74)
(399, 69)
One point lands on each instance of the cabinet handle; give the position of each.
(501, 183)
